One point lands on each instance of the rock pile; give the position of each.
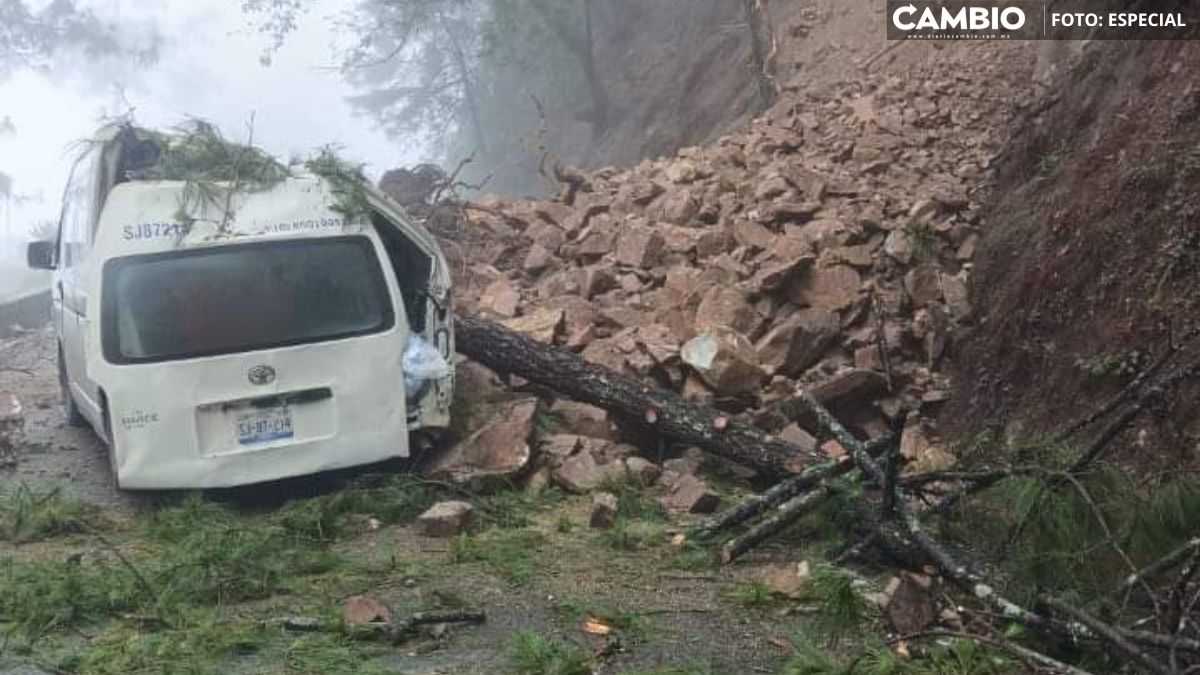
(829, 246)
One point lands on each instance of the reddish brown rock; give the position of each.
(752, 235)
(679, 207)
(538, 259)
(797, 436)
(790, 580)
(583, 419)
(584, 471)
(725, 360)
(923, 285)
(690, 494)
(798, 342)
(639, 246)
(724, 307)
(542, 324)
(773, 276)
(500, 448)
(500, 298)
(360, 610)
(445, 519)
(832, 287)
(851, 386)
(712, 243)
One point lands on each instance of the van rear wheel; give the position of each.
(74, 416)
(112, 443)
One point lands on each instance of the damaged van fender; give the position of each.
(221, 335)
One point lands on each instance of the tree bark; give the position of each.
(504, 350)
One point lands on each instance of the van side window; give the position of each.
(78, 212)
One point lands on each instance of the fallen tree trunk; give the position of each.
(665, 412)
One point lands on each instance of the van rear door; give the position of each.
(284, 348)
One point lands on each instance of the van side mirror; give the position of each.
(40, 255)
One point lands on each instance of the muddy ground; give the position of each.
(689, 615)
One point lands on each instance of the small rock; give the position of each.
(604, 510)
(954, 291)
(584, 472)
(360, 610)
(923, 285)
(898, 247)
(445, 519)
(831, 287)
(583, 419)
(853, 385)
(639, 246)
(537, 259)
(500, 298)
(542, 325)
(726, 360)
(789, 580)
(690, 494)
(642, 470)
(797, 436)
(727, 307)
(833, 449)
(798, 342)
(908, 603)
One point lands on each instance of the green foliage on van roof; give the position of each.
(213, 167)
(345, 179)
(197, 152)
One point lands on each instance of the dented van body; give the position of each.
(256, 336)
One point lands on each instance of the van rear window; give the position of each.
(246, 297)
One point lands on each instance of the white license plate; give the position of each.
(264, 425)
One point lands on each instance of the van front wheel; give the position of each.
(74, 416)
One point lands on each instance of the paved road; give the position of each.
(54, 452)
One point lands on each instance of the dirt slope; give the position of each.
(1089, 264)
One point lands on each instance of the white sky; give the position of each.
(209, 67)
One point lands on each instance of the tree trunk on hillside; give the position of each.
(503, 350)
(468, 85)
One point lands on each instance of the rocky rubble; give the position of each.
(828, 246)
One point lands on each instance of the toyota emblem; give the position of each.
(261, 375)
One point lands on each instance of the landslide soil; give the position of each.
(1089, 267)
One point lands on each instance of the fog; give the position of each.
(208, 66)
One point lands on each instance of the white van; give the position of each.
(248, 337)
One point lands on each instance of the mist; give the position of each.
(199, 61)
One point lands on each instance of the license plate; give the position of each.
(264, 426)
